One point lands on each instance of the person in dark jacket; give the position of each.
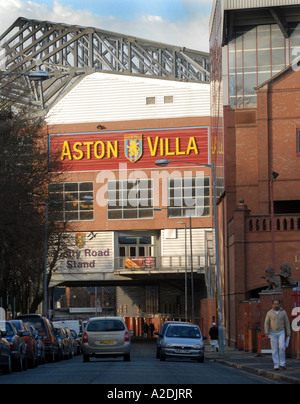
(214, 338)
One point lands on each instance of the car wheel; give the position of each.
(25, 363)
(127, 358)
(18, 366)
(51, 357)
(157, 353)
(86, 358)
(201, 359)
(162, 357)
(8, 368)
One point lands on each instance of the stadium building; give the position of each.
(113, 106)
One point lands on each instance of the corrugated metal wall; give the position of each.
(240, 4)
(106, 97)
(173, 249)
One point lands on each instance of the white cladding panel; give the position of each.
(91, 253)
(174, 247)
(102, 97)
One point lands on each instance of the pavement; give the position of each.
(260, 365)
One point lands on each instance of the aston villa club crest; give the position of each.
(133, 147)
(80, 240)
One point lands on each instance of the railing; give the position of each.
(281, 223)
(160, 263)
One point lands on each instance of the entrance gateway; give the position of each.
(148, 273)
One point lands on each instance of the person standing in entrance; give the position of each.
(277, 328)
(146, 330)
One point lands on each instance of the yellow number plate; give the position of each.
(106, 342)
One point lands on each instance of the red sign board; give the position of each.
(139, 149)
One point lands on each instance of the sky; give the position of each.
(174, 22)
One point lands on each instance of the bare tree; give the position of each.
(24, 180)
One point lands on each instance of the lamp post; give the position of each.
(185, 277)
(165, 163)
(192, 268)
(45, 301)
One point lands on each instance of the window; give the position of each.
(150, 100)
(137, 245)
(168, 99)
(73, 201)
(189, 197)
(254, 56)
(105, 326)
(132, 199)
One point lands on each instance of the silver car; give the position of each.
(182, 341)
(106, 336)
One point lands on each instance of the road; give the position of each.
(143, 369)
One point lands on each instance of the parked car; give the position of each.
(5, 357)
(46, 331)
(182, 341)
(64, 341)
(17, 347)
(68, 323)
(161, 333)
(106, 336)
(72, 341)
(31, 348)
(39, 345)
(78, 342)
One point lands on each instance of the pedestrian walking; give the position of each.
(277, 328)
(214, 338)
(146, 330)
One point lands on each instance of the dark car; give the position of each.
(45, 329)
(161, 334)
(78, 342)
(65, 343)
(39, 345)
(5, 358)
(31, 348)
(17, 347)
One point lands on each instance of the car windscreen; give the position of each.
(10, 332)
(105, 325)
(38, 324)
(183, 332)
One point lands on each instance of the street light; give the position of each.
(33, 74)
(185, 277)
(37, 76)
(192, 277)
(164, 163)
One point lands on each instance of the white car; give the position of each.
(106, 336)
(182, 340)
